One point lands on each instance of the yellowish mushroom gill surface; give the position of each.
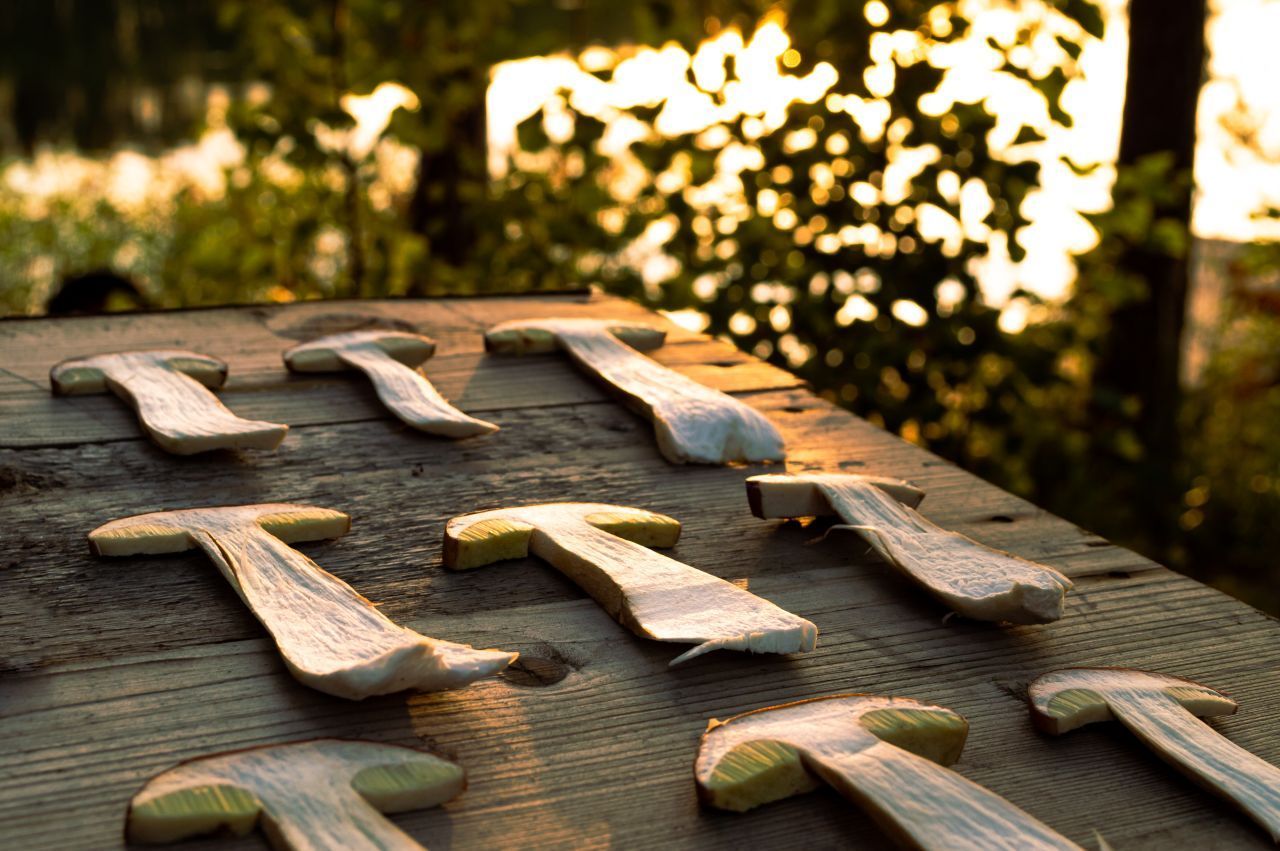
(640, 527)
(744, 763)
(310, 793)
(193, 811)
(482, 542)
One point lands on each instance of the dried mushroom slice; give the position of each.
(331, 638)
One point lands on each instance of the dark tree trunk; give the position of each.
(355, 227)
(75, 67)
(438, 209)
(1166, 60)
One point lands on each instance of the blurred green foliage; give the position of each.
(879, 313)
(1232, 466)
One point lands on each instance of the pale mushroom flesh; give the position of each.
(604, 550)
(693, 423)
(331, 638)
(1164, 712)
(742, 766)
(887, 754)
(170, 390)
(305, 796)
(973, 579)
(390, 359)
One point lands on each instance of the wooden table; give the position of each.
(115, 669)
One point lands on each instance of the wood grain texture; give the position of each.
(113, 670)
(252, 341)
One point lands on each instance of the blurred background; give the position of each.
(1030, 235)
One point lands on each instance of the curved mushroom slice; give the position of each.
(170, 391)
(331, 638)
(1162, 711)
(973, 579)
(307, 796)
(603, 548)
(883, 753)
(693, 423)
(390, 359)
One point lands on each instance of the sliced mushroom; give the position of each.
(390, 359)
(170, 391)
(331, 638)
(883, 753)
(1162, 711)
(604, 549)
(971, 578)
(693, 423)
(320, 795)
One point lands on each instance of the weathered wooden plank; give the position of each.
(251, 339)
(400, 502)
(473, 382)
(111, 670)
(260, 387)
(606, 752)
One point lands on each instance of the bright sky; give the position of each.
(1232, 180)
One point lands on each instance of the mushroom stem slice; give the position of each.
(170, 391)
(306, 796)
(883, 753)
(390, 360)
(693, 423)
(331, 638)
(1162, 710)
(971, 578)
(603, 548)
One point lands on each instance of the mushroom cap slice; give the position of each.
(324, 354)
(389, 359)
(973, 579)
(773, 495)
(170, 390)
(323, 793)
(81, 376)
(538, 336)
(1069, 698)
(475, 540)
(692, 422)
(751, 759)
(172, 531)
(604, 550)
(330, 637)
(885, 754)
